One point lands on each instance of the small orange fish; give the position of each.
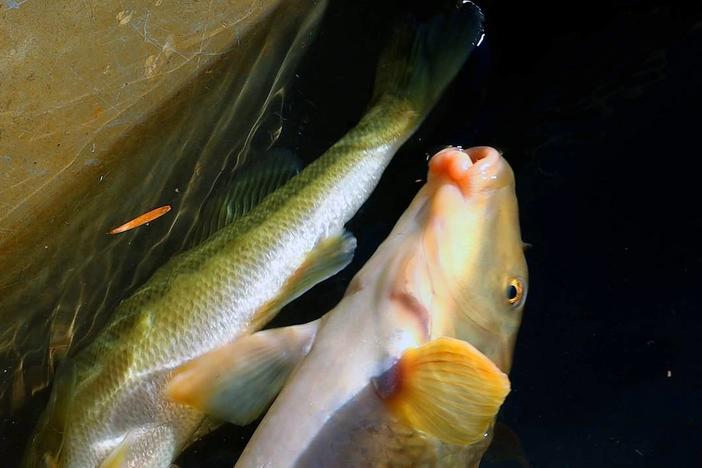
(143, 219)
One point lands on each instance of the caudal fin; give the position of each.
(424, 58)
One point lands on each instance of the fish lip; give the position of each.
(490, 171)
(487, 171)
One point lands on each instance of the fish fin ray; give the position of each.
(239, 380)
(445, 388)
(329, 257)
(243, 191)
(422, 59)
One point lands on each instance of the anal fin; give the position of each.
(445, 388)
(238, 381)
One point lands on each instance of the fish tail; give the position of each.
(421, 60)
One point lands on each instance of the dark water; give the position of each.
(596, 106)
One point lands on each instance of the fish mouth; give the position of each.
(473, 170)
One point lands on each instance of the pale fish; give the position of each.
(133, 397)
(410, 368)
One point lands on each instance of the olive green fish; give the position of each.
(410, 368)
(133, 397)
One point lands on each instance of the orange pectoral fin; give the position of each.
(445, 388)
(238, 381)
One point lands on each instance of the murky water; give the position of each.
(604, 366)
(169, 136)
(61, 269)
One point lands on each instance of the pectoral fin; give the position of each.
(238, 381)
(445, 388)
(329, 257)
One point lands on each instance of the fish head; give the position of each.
(473, 250)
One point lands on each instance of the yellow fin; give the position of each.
(238, 381)
(447, 389)
(330, 256)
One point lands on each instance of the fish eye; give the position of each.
(515, 291)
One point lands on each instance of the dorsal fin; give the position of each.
(243, 191)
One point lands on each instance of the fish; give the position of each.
(411, 367)
(123, 400)
(213, 107)
(141, 219)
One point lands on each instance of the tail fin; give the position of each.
(422, 59)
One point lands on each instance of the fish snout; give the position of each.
(473, 170)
